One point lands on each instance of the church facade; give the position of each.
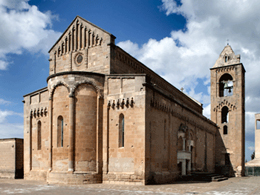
(106, 117)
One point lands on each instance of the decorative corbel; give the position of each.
(127, 102)
(41, 111)
(45, 111)
(35, 112)
(132, 102)
(118, 104)
(38, 112)
(122, 103)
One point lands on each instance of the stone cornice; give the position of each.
(75, 72)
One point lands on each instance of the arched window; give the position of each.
(225, 130)
(39, 135)
(225, 85)
(224, 115)
(60, 132)
(121, 130)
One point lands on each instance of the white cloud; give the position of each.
(4, 114)
(206, 111)
(11, 130)
(2, 101)
(251, 148)
(7, 129)
(187, 55)
(23, 26)
(193, 51)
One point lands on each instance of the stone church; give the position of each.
(106, 117)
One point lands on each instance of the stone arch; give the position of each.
(59, 83)
(97, 89)
(226, 85)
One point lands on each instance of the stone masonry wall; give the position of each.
(125, 96)
(35, 111)
(11, 158)
(7, 159)
(231, 143)
(163, 120)
(85, 128)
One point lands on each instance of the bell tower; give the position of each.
(228, 112)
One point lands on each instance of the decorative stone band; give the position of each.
(39, 112)
(224, 103)
(121, 103)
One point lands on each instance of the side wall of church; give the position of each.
(123, 63)
(124, 130)
(164, 119)
(36, 135)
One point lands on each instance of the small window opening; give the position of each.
(226, 85)
(224, 115)
(60, 132)
(258, 124)
(225, 130)
(121, 130)
(226, 58)
(39, 135)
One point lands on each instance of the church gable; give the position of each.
(79, 35)
(82, 47)
(227, 57)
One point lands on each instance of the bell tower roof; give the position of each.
(227, 57)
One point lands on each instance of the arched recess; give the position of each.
(60, 101)
(85, 127)
(225, 85)
(59, 83)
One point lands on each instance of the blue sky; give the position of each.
(180, 40)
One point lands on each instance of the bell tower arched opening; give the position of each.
(225, 85)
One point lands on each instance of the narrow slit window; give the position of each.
(121, 130)
(60, 133)
(39, 135)
(225, 130)
(226, 58)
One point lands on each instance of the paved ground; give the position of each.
(236, 186)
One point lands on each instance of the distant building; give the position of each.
(11, 158)
(106, 117)
(253, 166)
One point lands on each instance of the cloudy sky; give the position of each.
(179, 40)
